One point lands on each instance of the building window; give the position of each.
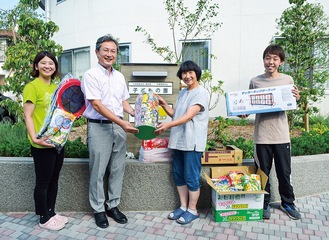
(124, 53)
(75, 61)
(198, 51)
(3, 45)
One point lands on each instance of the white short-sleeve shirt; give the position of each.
(191, 136)
(109, 87)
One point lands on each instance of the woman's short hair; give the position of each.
(189, 66)
(38, 58)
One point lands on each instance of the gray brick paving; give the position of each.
(314, 225)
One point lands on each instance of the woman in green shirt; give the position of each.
(48, 161)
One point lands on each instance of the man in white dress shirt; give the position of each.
(106, 97)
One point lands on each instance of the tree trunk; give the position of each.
(306, 118)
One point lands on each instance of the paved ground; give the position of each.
(155, 225)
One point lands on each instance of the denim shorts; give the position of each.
(186, 168)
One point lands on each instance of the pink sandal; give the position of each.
(61, 218)
(52, 224)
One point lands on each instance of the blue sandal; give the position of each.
(176, 214)
(186, 218)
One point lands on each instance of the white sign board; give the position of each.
(162, 88)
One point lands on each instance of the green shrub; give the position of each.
(241, 122)
(79, 122)
(76, 149)
(14, 143)
(310, 143)
(246, 146)
(319, 128)
(217, 127)
(319, 119)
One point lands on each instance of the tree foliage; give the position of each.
(185, 25)
(215, 91)
(304, 31)
(29, 35)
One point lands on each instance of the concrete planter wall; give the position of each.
(147, 187)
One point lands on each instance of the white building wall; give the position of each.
(248, 27)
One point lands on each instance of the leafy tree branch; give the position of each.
(188, 25)
(30, 34)
(303, 29)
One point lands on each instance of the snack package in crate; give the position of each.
(155, 150)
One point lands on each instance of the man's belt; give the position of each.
(99, 121)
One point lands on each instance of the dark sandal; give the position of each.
(187, 217)
(176, 214)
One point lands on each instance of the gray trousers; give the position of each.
(107, 150)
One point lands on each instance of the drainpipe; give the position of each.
(47, 11)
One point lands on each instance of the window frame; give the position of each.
(72, 53)
(128, 44)
(205, 40)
